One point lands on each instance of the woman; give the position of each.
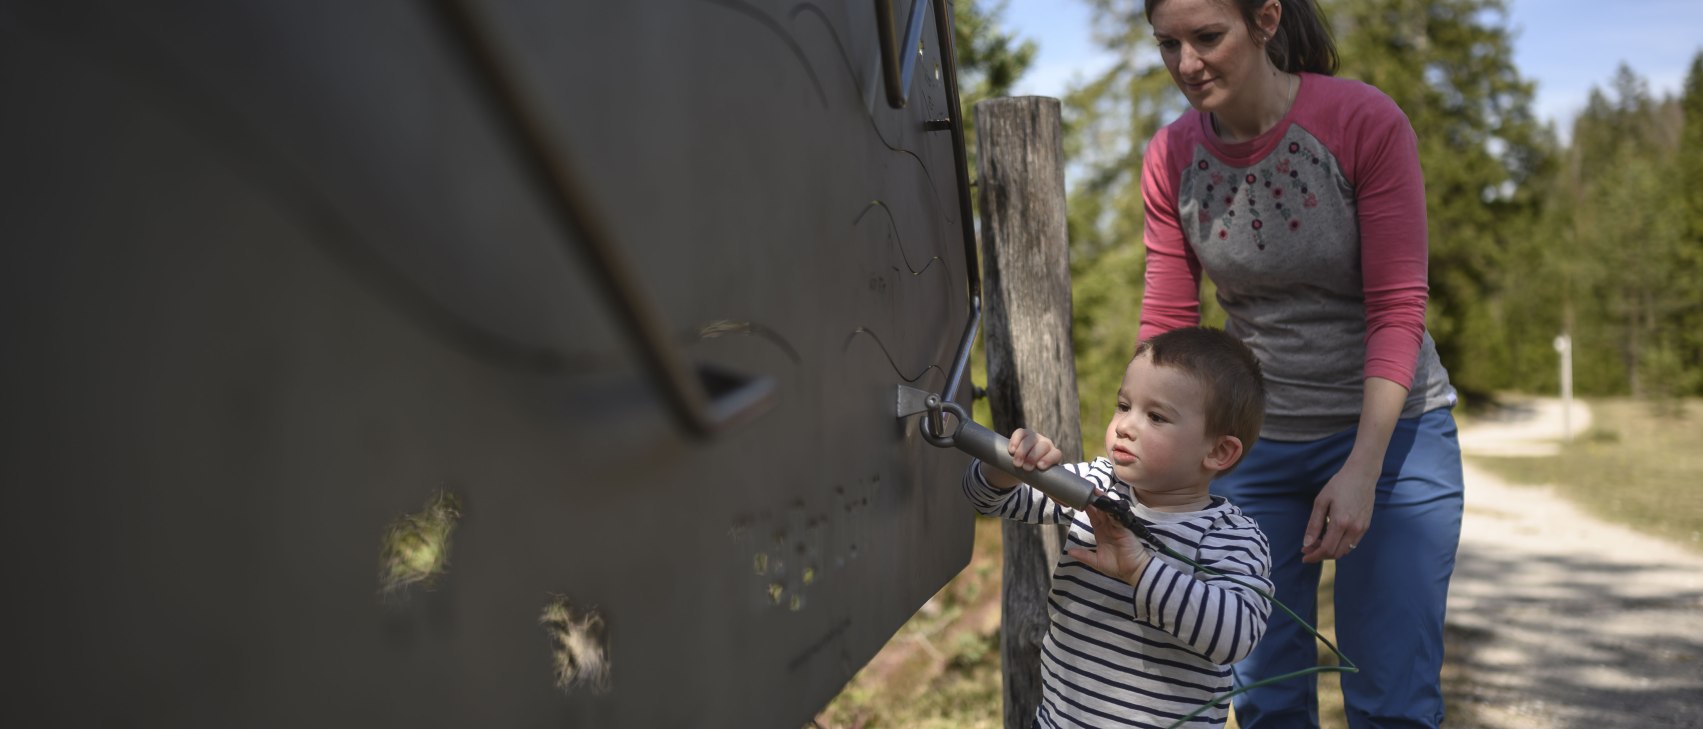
(1300, 195)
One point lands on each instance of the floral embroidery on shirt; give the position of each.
(1289, 215)
(1295, 148)
(1278, 177)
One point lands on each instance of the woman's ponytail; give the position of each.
(1303, 41)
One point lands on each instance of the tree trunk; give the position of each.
(1031, 366)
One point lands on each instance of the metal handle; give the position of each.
(970, 437)
(897, 62)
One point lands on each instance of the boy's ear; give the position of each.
(1224, 454)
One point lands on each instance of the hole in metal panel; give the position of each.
(416, 546)
(578, 647)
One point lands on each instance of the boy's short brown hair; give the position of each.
(1226, 369)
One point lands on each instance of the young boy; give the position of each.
(1138, 638)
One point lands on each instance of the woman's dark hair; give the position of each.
(1303, 40)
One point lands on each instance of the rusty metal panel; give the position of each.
(282, 309)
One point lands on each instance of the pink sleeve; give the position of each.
(1171, 298)
(1390, 194)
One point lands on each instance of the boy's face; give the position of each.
(1157, 439)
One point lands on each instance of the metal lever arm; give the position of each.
(968, 436)
(706, 401)
(897, 60)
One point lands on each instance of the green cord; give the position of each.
(1349, 666)
(1120, 511)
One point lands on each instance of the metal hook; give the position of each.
(934, 425)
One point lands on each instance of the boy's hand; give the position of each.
(1031, 451)
(1118, 554)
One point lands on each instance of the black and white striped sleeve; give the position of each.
(1220, 616)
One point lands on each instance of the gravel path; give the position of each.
(1558, 620)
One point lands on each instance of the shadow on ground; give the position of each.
(1572, 642)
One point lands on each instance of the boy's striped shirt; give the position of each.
(1148, 655)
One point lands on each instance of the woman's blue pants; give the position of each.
(1390, 591)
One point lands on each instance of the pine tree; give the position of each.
(1690, 158)
(1449, 65)
(1629, 274)
(1688, 188)
(991, 59)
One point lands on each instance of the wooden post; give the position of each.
(1031, 367)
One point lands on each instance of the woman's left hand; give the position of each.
(1342, 514)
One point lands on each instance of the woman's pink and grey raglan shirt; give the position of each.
(1314, 234)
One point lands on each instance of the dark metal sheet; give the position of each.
(271, 276)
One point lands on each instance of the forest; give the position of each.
(1594, 230)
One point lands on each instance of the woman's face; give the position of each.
(1208, 49)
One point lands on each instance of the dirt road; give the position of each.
(1558, 620)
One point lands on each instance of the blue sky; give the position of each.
(1566, 46)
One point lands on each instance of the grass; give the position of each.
(941, 670)
(1639, 464)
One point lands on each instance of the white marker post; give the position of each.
(1564, 346)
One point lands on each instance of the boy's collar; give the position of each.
(1125, 490)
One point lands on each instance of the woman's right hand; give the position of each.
(1342, 514)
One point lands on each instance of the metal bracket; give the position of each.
(912, 401)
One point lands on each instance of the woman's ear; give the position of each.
(1268, 17)
(1224, 454)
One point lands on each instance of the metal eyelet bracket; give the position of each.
(933, 426)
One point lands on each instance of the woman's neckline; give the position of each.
(1265, 140)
